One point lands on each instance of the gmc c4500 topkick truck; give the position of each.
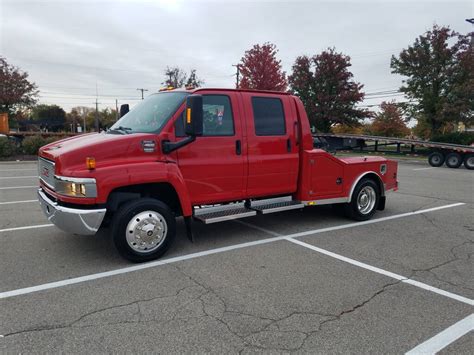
(208, 155)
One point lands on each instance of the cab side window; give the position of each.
(268, 115)
(217, 117)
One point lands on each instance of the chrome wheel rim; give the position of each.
(146, 231)
(436, 159)
(366, 199)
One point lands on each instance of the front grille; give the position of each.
(46, 172)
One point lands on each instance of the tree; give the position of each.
(439, 67)
(107, 117)
(389, 121)
(325, 85)
(49, 117)
(176, 78)
(193, 80)
(261, 70)
(16, 91)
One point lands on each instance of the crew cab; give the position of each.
(208, 155)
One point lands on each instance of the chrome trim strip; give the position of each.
(327, 201)
(360, 177)
(47, 160)
(76, 180)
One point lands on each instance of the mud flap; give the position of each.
(189, 230)
(381, 205)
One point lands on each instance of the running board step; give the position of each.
(265, 207)
(210, 215)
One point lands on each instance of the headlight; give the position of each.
(75, 187)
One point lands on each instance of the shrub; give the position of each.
(31, 144)
(465, 138)
(7, 147)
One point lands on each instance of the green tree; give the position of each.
(107, 117)
(325, 85)
(49, 117)
(16, 91)
(439, 71)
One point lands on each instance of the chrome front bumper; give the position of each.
(71, 220)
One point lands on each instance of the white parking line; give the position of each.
(383, 272)
(6, 171)
(76, 280)
(14, 202)
(446, 337)
(18, 177)
(18, 187)
(423, 169)
(26, 227)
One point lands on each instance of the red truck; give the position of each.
(207, 155)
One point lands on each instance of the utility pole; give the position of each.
(96, 115)
(116, 110)
(142, 90)
(237, 75)
(471, 21)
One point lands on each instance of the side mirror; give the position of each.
(193, 116)
(124, 109)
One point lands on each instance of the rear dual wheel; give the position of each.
(469, 161)
(453, 160)
(436, 159)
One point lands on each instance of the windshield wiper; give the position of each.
(120, 129)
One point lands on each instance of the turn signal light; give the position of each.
(188, 115)
(90, 163)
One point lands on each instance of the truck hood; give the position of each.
(70, 154)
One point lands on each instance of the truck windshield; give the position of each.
(150, 115)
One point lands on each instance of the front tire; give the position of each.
(453, 160)
(143, 229)
(364, 202)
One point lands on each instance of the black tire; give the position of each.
(127, 214)
(469, 161)
(453, 160)
(436, 159)
(352, 208)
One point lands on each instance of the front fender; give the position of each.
(111, 178)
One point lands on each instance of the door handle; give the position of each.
(238, 147)
(288, 145)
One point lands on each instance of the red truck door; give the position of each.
(213, 165)
(273, 156)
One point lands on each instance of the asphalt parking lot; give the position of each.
(306, 281)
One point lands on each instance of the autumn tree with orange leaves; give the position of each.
(260, 69)
(389, 121)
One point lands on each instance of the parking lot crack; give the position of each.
(97, 311)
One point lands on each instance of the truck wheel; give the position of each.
(453, 160)
(364, 201)
(469, 161)
(436, 159)
(143, 229)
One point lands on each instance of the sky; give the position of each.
(77, 50)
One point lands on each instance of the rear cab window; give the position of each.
(269, 117)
